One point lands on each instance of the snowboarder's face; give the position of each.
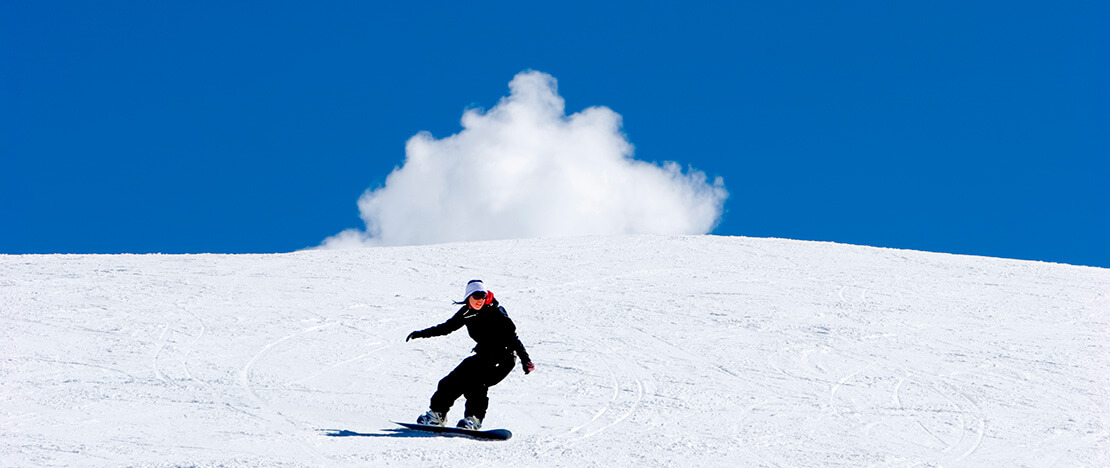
(476, 303)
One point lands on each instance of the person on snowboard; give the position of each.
(489, 325)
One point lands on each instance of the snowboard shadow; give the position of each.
(405, 433)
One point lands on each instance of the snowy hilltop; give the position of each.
(649, 351)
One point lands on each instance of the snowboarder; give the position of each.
(489, 325)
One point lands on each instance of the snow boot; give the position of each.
(470, 423)
(431, 418)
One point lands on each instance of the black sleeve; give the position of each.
(451, 325)
(519, 348)
(514, 341)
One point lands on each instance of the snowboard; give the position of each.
(492, 434)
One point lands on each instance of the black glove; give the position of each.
(528, 367)
(415, 334)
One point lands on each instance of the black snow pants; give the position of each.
(472, 378)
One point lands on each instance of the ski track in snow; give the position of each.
(650, 351)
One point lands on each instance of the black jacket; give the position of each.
(489, 326)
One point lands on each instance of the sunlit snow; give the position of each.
(650, 351)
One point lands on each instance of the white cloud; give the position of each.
(526, 169)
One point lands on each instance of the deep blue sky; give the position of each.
(951, 126)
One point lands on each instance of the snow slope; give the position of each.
(653, 351)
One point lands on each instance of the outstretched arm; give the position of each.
(452, 324)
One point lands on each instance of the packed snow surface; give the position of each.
(650, 351)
